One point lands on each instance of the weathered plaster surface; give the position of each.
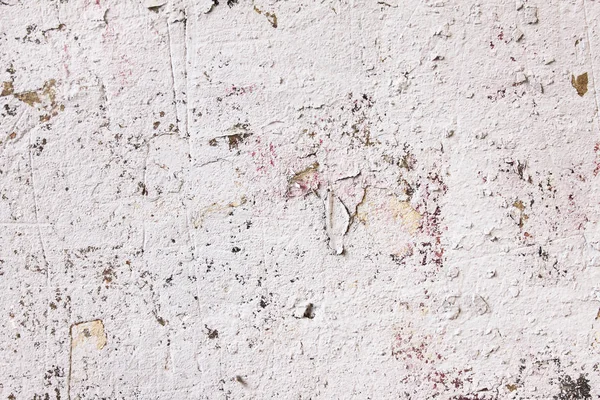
(304, 199)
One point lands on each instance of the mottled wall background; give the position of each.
(268, 199)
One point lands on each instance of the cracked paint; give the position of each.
(235, 199)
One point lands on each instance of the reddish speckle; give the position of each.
(597, 162)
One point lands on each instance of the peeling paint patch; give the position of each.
(305, 181)
(88, 332)
(580, 83)
(337, 221)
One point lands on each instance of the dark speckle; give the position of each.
(241, 380)
(212, 333)
(574, 389)
(236, 250)
(309, 311)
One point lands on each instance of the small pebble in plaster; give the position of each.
(517, 35)
(452, 272)
(480, 305)
(529, 15)
(519, 5)
(450, 308)
(520, 78)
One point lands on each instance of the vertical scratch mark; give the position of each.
(70, 362)
(173, 74)
(176, 34)
(145, 191)
(409, 21)
(589, 49)
(143, 238)
(37, 218)
(187, 82)
(337, 222)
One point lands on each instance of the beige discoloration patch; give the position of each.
(7, 89)
(304, 181)
(403, 252)
(403, 223)
(88, 332)
(32, 97)
(580, 83)
(392, 209)
(519, 204)
(403, 211)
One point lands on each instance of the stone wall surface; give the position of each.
(301, 199)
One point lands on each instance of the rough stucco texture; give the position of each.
(303, 199)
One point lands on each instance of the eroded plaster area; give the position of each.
(267, 199)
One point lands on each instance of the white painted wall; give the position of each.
(299, 199)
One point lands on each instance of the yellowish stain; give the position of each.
(519, 204)
(404, 251)
(398, 211)
(86, 332)
(215, 208)
(30, 98)
(271, 17)
(403, 211)
(7, 89)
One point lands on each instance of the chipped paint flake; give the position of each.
(337, 221)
